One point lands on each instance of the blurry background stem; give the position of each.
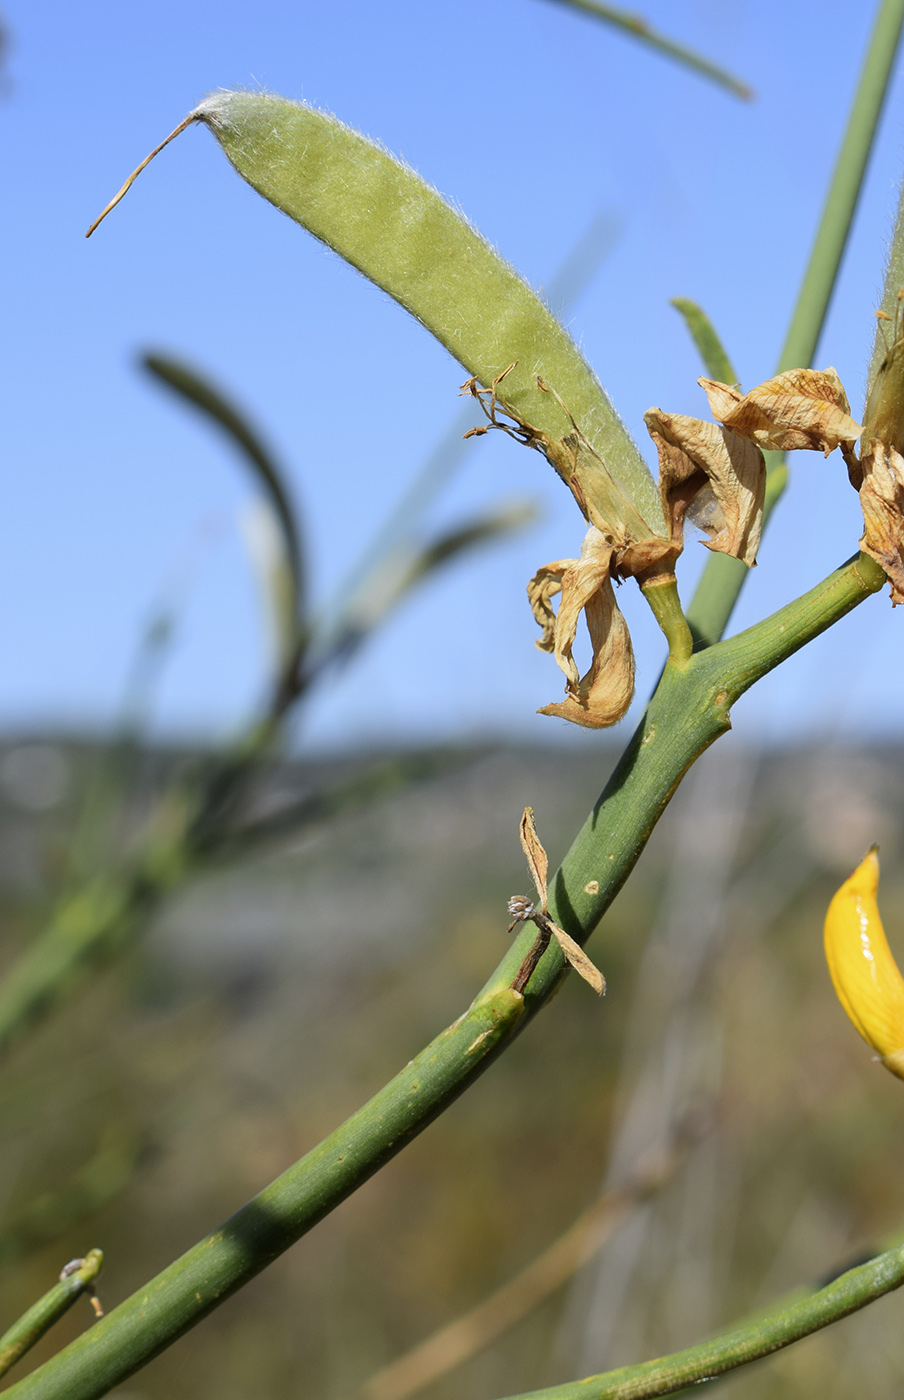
(77, 1278)
(638, 28)
(450, 1347)
(112, 891)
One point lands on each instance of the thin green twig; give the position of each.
(288, 584)
(195, 388)
(638, 28)
(712, 351)
(31, 1326)
(772, 1332)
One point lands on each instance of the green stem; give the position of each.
(841, 202)
(717, 592)
(638, 28)
(712, 351)
(847, 1294)
(87, 927)
(85, 930)
(30, 1328)
(690, 709)
(662, 595)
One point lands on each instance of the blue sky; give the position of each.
(532, 119)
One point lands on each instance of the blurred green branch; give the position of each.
(77, 1278)
(638, 28)
(201, 819)
(712, 351)
(202, 816)
(777, 1329)
(107, 1172)
(287, 569)
(452, 1345)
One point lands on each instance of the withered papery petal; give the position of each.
(882, 503)
(579, 960)
(577, 580)
(800, 408)
(695, 455)
(541, 590)
(537, 861)
(602, 696)
(723, 398)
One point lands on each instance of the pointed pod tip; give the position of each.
(865, 879)
(123, 191)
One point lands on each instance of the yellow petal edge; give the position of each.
(865, 975)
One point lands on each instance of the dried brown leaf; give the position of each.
(800, 408)
(579, 959)
(536, 856)
(701, 463)
(882, 502)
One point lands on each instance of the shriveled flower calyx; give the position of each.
(879, 475)
(717, 475)
(635, 545)
(694, 463)
(599, 698)
(619, 544)
(882, 503)
(800, 408)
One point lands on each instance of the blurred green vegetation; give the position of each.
(272, 995)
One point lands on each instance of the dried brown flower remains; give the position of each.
(523, 910)
(713, 473)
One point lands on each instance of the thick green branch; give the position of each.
(847, 1294)
(689, 710)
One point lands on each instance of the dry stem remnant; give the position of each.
(523, 910)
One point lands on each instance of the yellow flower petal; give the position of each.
(865, 975)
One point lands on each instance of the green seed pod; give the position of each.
(387, 222)
(883, 417)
